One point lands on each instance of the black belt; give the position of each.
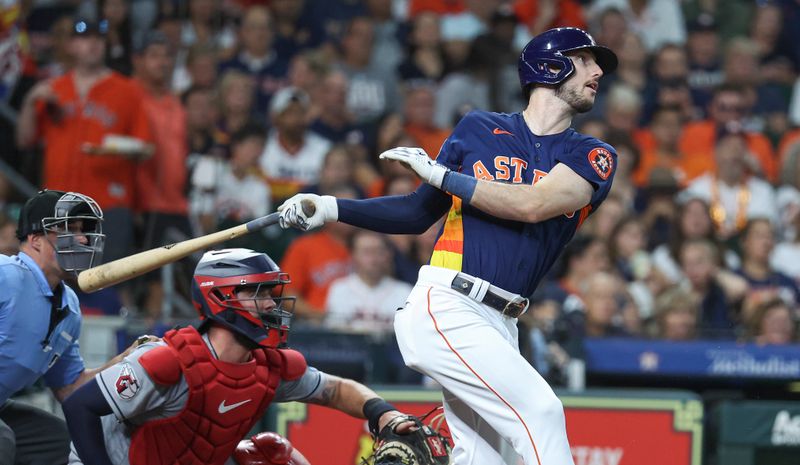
(502, 305)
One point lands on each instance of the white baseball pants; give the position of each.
(491, 393)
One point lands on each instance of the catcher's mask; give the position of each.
(75, 219)
(241, 290)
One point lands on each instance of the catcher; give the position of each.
(192, 397)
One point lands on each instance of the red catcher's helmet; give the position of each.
(220, 274)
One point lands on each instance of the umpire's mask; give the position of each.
(78, 224)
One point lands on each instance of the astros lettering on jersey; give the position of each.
(500, 147)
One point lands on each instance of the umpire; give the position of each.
(60, 234)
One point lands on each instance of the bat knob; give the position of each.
(308, 208)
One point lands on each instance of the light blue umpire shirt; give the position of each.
(26, 352)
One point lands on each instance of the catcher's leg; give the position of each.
(471, 351)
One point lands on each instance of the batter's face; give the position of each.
(580, 89)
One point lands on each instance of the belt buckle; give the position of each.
(515, 308)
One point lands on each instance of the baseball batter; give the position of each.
(515, 188)
(192, 397)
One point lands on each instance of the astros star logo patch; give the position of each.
(127, 384)
(602, 162)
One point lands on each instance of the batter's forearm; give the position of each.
(410, 214)
(558, 193)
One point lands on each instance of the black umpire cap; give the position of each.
(40, 206)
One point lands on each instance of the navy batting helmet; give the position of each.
(543, 60)
(236, 288)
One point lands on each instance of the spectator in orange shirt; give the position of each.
(666, 128)
(315, 260)
(420, 103)
(72, 115)
(161, 180)
(728, 105)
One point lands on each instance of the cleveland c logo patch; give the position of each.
(602, 162)
(127, 384)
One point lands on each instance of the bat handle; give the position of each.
(263, 222)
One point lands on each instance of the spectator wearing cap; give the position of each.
(733, 194)
(74, 116)
(60, 235)
(161, 179)
(293, 155)
(257, 56)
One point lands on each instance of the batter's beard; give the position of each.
(574, 98)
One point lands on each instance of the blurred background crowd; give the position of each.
(183, 117)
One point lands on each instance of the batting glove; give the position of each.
(292, 214)
(419, 161)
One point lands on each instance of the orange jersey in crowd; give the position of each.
(430, 139)
(437, 6)
(161, 181)
(698, 140)
(314, 262)
(568, 13)
(112, 106)
(700, 137)
(686, 167)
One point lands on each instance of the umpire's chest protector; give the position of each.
(224, 400)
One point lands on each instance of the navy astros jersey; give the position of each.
(499, 147)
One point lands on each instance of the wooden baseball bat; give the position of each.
(126, 268)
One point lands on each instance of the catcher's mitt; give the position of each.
(422, 446)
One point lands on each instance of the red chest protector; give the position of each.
(225, 400)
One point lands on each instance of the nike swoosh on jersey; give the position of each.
(498, 131)
(227, 408)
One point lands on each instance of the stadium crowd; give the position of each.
(183, 117)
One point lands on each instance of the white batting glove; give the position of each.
(292, 214)
(419, 161)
